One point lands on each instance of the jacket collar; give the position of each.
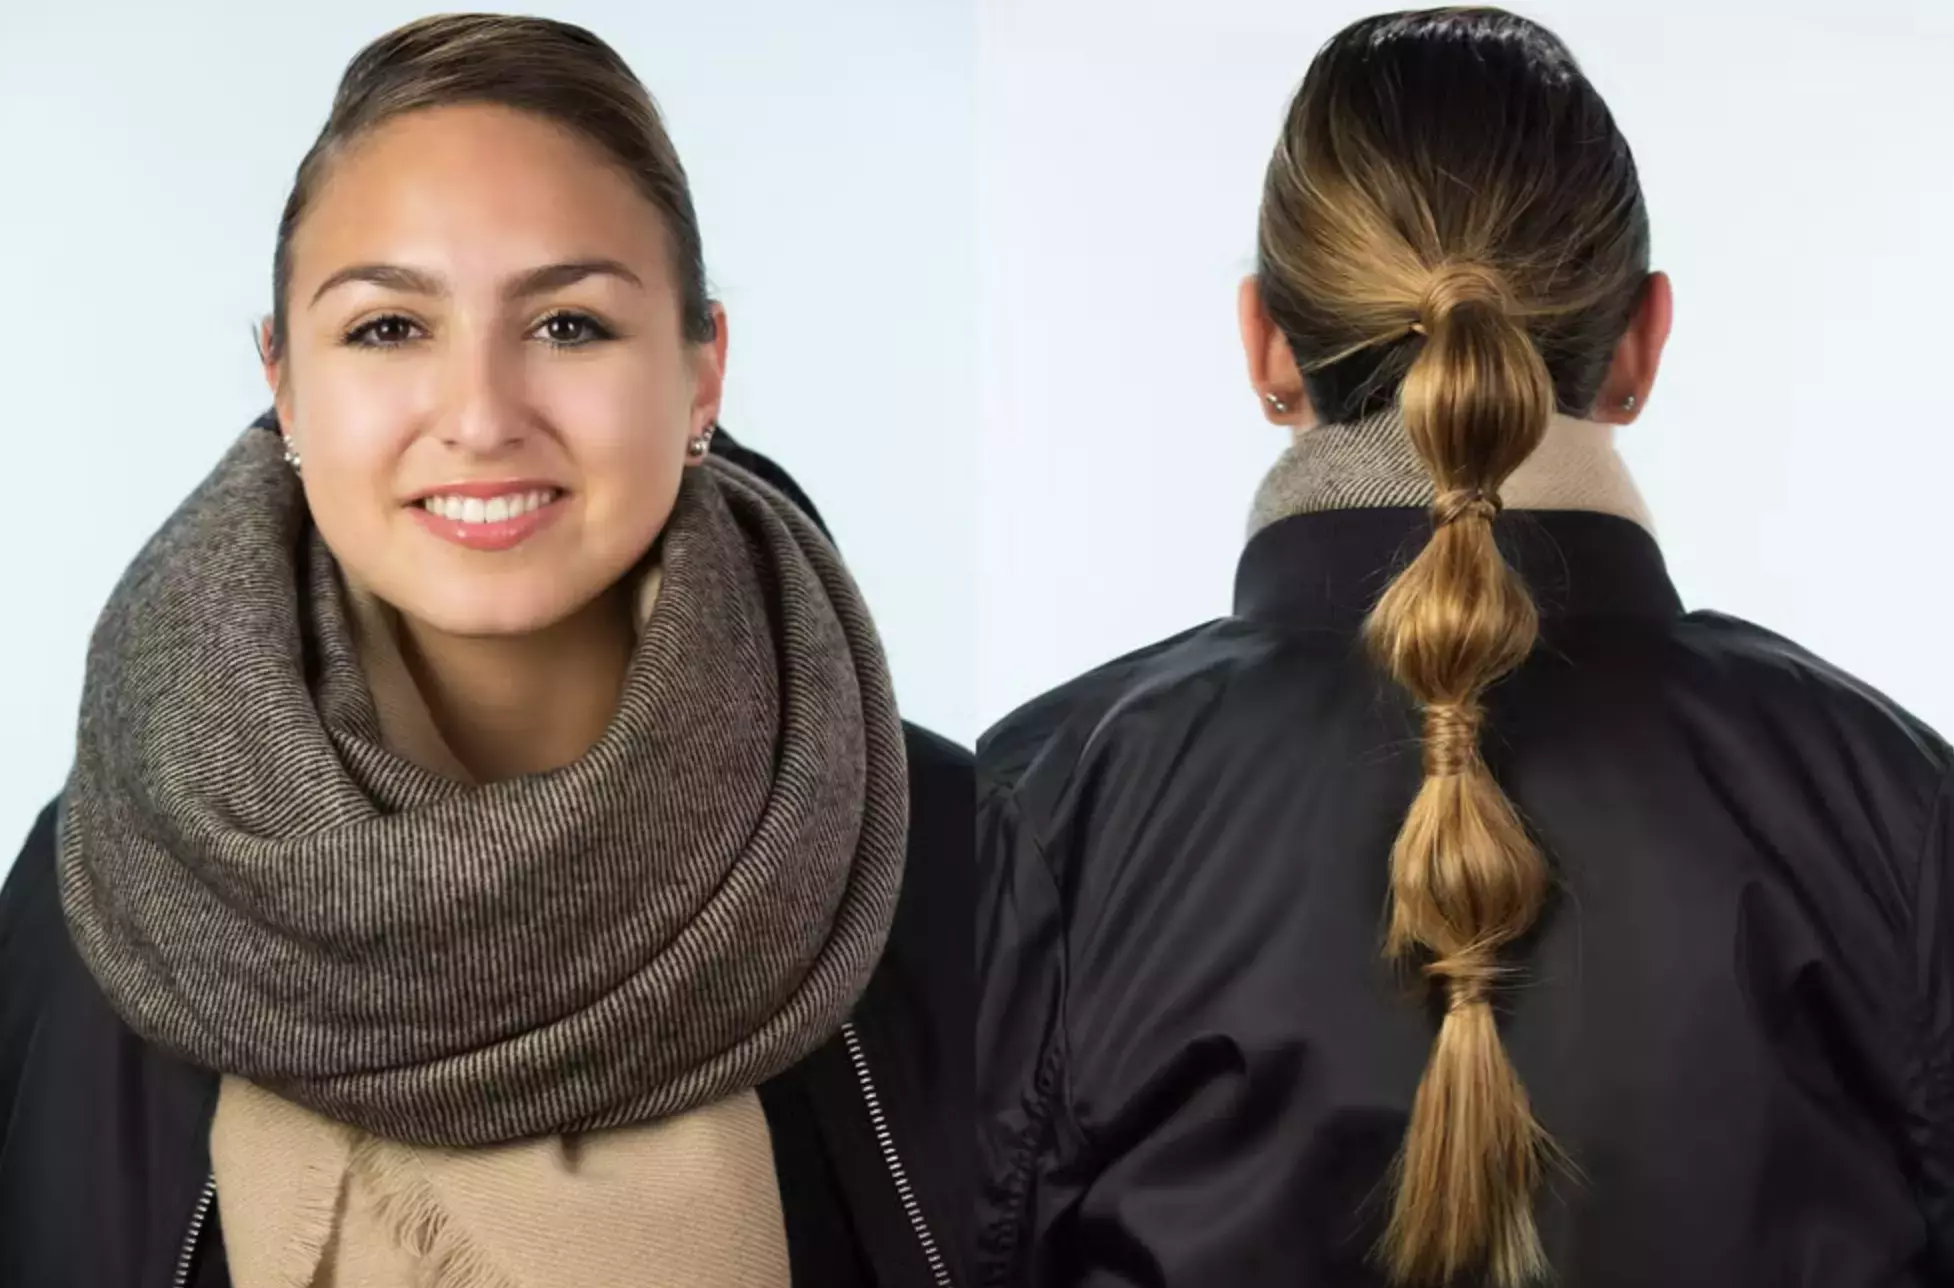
(1326, 570)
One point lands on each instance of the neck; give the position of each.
(509, 706)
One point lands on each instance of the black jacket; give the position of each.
(104, 1139)
(1737, 1014)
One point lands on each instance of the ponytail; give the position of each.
(1466, 880)
(1452, 219)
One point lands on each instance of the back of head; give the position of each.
(1452, 222)
(1443, 159)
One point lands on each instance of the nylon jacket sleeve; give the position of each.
(1932, 1060)
(25, 901)
(1022, 1128)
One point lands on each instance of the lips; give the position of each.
(488, 516)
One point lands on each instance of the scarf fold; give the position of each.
(262, 886)
(1371, 464)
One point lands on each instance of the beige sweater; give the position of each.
(307, 1202)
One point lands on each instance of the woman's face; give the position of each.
(485, 375)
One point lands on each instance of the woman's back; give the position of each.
(1460, 911)
(1730, 1006)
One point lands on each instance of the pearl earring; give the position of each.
(291, 455)
(1628, 403)
(1280, 407)
(700, 443)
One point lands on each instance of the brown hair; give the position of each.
(553, 69)
(1452, 220)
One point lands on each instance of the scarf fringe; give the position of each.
(314, 1221)
(405, 1206)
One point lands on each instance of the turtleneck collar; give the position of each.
(1347, 507)
(1370, 464)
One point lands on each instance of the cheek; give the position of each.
(625, 424)
(630, 468)
(344, 395)
(622, 401)
(352, 422)
(352, 416)
(350, 427)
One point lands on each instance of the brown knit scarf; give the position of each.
(261, 886)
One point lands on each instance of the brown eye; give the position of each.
(386, 332)
(572, 330)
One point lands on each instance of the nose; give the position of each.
(486, 413)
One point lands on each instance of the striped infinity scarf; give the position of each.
(261, 886)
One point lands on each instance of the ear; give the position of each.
(1638, 355)
(274, 369)
(1272, 369)
(708, 378)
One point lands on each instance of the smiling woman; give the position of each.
(470, 294)
(493, 854)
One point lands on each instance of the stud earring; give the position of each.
(700, 443)
(1628, 403)
(1281, 408)
(291, 455)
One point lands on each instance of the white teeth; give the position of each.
(459, 509)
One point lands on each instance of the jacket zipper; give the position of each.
(198, 1216)
(886, 1142)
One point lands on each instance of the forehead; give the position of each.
(475, 189)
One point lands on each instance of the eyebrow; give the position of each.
(414, 281)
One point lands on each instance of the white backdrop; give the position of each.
(145, 153)
(1798, 451)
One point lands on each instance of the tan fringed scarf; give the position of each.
(687, 1202)
(306, 1202)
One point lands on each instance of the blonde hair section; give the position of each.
(1451, 260)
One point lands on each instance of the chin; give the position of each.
(493, 612)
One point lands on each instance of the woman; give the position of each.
(1668, 899)
(492, 854)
